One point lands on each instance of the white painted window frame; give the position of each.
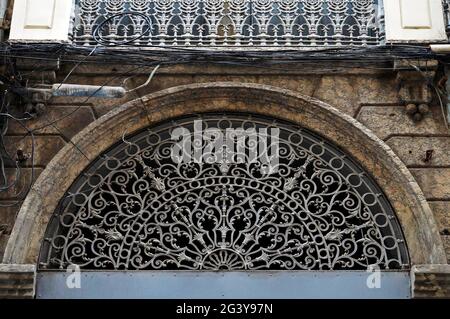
(414, 21)
(42, 20)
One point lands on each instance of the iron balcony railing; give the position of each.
(229, 23)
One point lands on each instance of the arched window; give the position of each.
(295, 203)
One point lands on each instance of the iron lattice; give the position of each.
(229, 23)
(134, 208)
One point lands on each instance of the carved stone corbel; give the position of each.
(414, 79)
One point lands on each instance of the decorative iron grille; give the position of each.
(134, 208)
(229, 23)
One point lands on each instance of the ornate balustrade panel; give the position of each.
(228, 23)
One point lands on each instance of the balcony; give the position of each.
(228, 23)
(236, 24)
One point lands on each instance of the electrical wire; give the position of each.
(364, 56)
(85, 101)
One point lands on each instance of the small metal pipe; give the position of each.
(60, 89)
(440, 48)
(108, 92)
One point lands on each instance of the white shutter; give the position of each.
(41, 20)
(414, 21)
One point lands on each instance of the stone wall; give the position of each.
(372, 96)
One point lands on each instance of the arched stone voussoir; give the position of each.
(415, 216)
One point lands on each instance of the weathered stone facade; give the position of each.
(17, 281)
(372, 98)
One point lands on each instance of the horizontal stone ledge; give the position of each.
(435, 182)
(431, 281)
(18, 268)
(17, 280)
(422, 151)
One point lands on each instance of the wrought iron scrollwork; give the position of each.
(229, 23)
(135, 208)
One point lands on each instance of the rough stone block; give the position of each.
(19, 185)
(431, 281)
(350, 91)
(45, 148)
(17, 281)
(8, 212)
(435, 182)
(301, 84)
(3, 242)
(446, 241)
(441, 212)
(385, 121)
(70, 120)
(413, 150)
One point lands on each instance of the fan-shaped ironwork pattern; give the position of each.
(135, 208)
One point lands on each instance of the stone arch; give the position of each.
(405, 196)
